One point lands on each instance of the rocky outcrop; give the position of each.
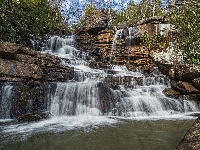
(122, 47)
(104, 43)
(191, 141)
(104, 50)
(184, 80)
(19, 63)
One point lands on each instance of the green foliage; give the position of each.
(155, 42)
(186, 19)
(20, 18)
(136, 12)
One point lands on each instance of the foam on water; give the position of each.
(59, 124)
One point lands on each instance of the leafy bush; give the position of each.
(186, 19)
(20, 18)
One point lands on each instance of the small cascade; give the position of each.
(76, 99)
(133, 34)
(6, 101)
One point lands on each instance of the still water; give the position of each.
(123, 135)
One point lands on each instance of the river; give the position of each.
(121, 135)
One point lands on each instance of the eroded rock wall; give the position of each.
(184, 80)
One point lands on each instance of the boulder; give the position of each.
(187, 72)
(184, 80)
(171, 93)
(183, 87)
(191, 140)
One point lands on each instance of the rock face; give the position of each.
(122, 46)
(184, 80)
(106, 50)
(191, 141)
(28, 77)
(18, 63)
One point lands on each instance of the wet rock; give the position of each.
(19, 69)
(191, 140)
(184, 79)
(166, 69)
(187, 72)
(33, 117)
(27, 97)
(189, 88)
(195, 97)
(196, 82)
(108, 98)
(171, 93)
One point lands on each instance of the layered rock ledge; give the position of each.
(19, 63)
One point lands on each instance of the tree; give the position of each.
(20, 18)
(186, 19)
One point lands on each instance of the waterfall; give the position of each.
(76, 99)
(6, 101)
(112, 91)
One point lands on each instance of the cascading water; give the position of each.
(141, 96)
(113, 91)
(6, 101)
(76, 99)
